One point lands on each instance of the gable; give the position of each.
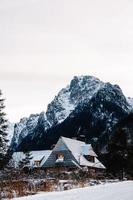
(69, 159)
(61, 146)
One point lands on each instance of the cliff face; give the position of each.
(22, 129)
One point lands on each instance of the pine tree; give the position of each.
(25, 162)
(3, 133)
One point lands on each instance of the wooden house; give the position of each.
(72, 154)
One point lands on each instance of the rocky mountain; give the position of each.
(86, 109)
(42, 125)
(81, 89)
(22, 129)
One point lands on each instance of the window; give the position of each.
(90, 158)
(37, 163)
(60, 157)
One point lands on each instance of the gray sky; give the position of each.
(44, 43)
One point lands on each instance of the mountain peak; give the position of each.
(81, 88)
(83, 92)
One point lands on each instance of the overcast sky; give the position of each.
(44, 43)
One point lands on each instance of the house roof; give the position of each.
(46, 156)
(78, 151)
(77, 147)
(37, 156)
(96, 164)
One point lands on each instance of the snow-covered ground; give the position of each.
(110, 191)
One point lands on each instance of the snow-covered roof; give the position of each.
(78, 151)
(47, 154)
(96, 164)
(72, 144)
(77, 147)
(36, 156)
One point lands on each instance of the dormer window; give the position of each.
(60, 157)
(90, 158)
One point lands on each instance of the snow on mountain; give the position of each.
(23, 128)
(42, 125)
(113, 93)
(60, 108)
(18, 127)
(81, 89)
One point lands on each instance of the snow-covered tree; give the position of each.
(25, 162)
(3, 133)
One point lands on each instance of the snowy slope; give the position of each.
(115, 191)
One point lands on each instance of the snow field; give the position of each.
(109, 191)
